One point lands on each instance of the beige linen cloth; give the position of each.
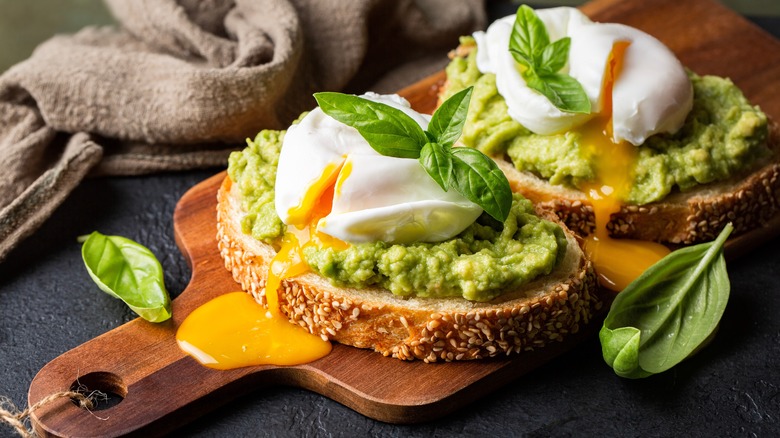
(178, 84)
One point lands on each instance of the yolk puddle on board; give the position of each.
(617, 261)
(233, 331)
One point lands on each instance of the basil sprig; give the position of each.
(129, 271)
(392, 133)
(668, 311)
(530, 45)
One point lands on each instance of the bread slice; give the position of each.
(544, 311)
(748, 200)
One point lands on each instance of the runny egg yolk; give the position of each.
(316, 204)
(233, 331)
(617, 261)
(301, 215)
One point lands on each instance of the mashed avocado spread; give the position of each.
(478, 264)
(722, 135)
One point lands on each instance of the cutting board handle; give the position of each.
(151, 381)
(151, 384)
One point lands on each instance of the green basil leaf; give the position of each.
(673, 307)
(388, 130)
(555, 56)
(468, 171)
(620, 348)
(563, 91)
(129, 271)
(448, 120)
(437, 161)
(478, 179)
(528, 38)
(530, 45)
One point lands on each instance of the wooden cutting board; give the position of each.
(161, 388)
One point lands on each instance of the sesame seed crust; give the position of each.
(748, 201)
(432, 330)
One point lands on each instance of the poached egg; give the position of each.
(652, 94)
(331, 188)
(368, 197)
(637, 88)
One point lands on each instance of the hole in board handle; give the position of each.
(107, 383)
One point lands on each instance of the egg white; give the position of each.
(651, 94)
(394, 200)
(378, 198)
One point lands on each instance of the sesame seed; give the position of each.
(441, 336)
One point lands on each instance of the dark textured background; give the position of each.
(48, 304)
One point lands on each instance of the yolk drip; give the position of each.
(233, 331)
(346, 170)
(316, 204)
(618, 262)
(289, 260)
(301, 215)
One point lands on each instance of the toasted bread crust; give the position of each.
(428, 329)
(748, 200)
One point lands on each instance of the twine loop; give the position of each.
(18, 420)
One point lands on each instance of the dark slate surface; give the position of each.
(48, 305)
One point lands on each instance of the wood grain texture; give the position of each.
(164, 388)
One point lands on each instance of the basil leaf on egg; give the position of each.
(530, 45)
(447, 122)
(388, 130)
(555, 56)
(478, 179)
(128, 271)
(668, 311)
(437, 162)
(528, 38)
(392, 133)
(562, 90)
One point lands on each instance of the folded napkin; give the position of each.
(180, 83)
